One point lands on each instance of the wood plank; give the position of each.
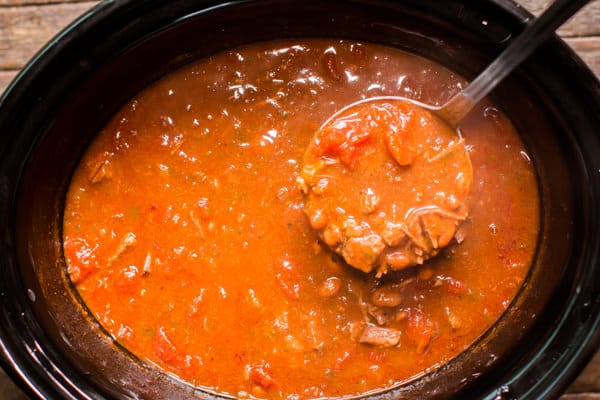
(580, 396)
(589, 379)
(8, 390)
(588, 48)
(585, 23)
(4, 3)
(24, 30)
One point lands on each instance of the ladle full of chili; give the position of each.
(387, 179)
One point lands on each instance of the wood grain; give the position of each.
(24, 30)
(589, 379)
(8, 390)
(4, 3)
(585, 23)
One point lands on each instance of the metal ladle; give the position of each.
(535, 34)
(365, 247)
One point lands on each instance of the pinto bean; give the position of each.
(318, 220)
(261, 374)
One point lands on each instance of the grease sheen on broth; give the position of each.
(185, 236)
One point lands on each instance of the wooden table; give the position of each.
(25, 25)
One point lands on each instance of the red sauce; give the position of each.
(185, 235)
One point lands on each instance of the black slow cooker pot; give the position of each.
(53, 348)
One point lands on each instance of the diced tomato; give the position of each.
(261, 375)
(454, 286)
(165, 349)
(80, 258)
(168, 353)
(400, 144)
(420, 329)
(400, 136)
(344, 137)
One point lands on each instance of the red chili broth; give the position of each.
(185, 235)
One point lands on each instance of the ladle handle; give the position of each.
(534, 34)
